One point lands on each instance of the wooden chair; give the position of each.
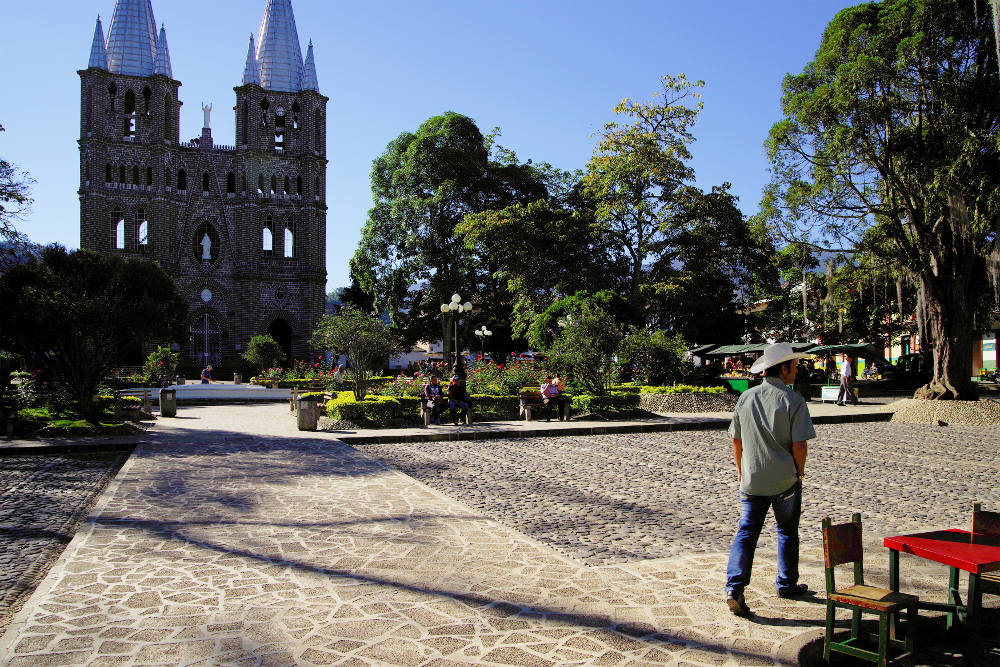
(842, 544)
(987, 523)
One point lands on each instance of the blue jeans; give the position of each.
(787, 508)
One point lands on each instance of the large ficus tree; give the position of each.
(892, 134)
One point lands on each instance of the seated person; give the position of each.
(459, 401)
(550, 397)
(434, 395)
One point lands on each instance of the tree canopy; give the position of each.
(891, 142)
(75, 315)
(15, 200)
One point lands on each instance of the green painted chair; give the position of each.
(841, 545)
(987, 523)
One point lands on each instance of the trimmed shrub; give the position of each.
(682, 389)
(372, 408)
(616, 401)
(495, 407)
(626, 388)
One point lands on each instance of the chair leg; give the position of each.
(911, 629)
(883, 640)
(953, 597)
(830, 614)
(855, 624)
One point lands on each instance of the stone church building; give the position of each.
(242, 227)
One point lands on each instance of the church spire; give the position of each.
(309, 79)
(251, 74)
(98, 54)
(279, 55)
(132, 40)
(162, 63)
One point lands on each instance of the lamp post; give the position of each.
(455, 307)
(482, 332)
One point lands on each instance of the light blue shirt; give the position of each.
(768, 419)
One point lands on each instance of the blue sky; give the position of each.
(547, 72)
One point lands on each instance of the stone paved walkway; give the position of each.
(232, 539)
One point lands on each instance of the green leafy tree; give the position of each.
(653, 357)
(363, 339)
(410, 259)
(895, 127)
(15, 200)
(75, 315)
(264, 352)
(584, 345)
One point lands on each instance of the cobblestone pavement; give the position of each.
(621, 498)
(42, 501)
(232, 539)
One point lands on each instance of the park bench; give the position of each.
(425, 412)
(147, 406)
(311, 386)
(532, 400)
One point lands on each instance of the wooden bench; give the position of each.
(311, 386)
(425, 412)
(532, 400)
(147, 406)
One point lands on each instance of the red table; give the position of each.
(960, 550)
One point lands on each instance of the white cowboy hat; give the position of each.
(775, 354)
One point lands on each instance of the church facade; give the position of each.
(241, 227)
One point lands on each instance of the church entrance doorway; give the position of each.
(281, 331)
(206, 340)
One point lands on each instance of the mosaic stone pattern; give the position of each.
(232, 539)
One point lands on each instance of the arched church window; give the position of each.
(147, 95)
(298, 186)
(128, 128)
(118, 222)
(121, 173)
(264, 106)
(243, 182)
(260, 185)
(204, 182)
(182, 180)
(289, 239)
(149, 176)
(274, 184)
(141, 230)
(135, 175)
(287, 189)
(296, 110)
(231, 183)
(318, 130)
(316, 189)
(107, 173)
(166, 178)
(267, 237)
(112, 95)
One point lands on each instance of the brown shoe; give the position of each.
(737, 605)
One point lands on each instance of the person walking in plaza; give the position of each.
(770, 427)
(847, 382)
(206, 375)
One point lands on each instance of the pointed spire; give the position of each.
(98, 54)
(309, 80)
(251, 74)
(279, 55)
(132, 40)
(162, 63)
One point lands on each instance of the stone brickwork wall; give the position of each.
(145, 193)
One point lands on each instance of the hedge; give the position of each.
(616, 401)
(683, 389)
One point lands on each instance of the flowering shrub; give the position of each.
(160, 367)
(505, 379)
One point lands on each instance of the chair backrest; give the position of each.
(842, 544)
(987, 523)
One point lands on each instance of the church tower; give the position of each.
(241, 228)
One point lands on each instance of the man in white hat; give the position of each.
(770, 428)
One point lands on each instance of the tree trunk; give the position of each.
(947, 283)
